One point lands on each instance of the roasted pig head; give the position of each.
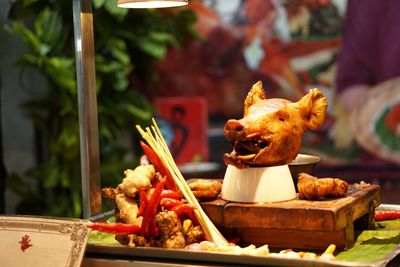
(271, 130)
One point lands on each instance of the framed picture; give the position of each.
(184, 123)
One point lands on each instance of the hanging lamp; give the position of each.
(151, 3)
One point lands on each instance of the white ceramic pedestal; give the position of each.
(258, 184)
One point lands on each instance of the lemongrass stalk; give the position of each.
(330, 250)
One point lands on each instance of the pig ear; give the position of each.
(313, 108)
(255, 94)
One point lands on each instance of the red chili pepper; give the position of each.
(185, 210)
(179, 210)
(167, 193)
(115, 228)
(190, 214)
(143, 202)
(169, 203)
(158, 164)
(152, 156)
(149, 228)
(387, 215)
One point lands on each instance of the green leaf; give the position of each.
(120, 81)
(117, 12)
(108, 67)
(64, 178)
(119, 50)
(49, 28)
(28, 59)
(69, 139)
(51, 178)
(372, 245)
(154, 49)
(163, 37)
(28, 37)
(61, 70)
(139, 113)
(96, 237)
(98, 3)
(101, 64)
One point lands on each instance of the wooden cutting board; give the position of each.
(298, 223)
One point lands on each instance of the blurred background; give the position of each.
(190, 67)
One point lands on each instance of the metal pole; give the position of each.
(87, 106)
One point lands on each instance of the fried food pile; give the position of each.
(162, 217)
(271, 130)
(313, 188)
(150, 210)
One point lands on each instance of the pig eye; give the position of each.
(282, 116)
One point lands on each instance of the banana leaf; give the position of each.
(96, 237)
(374, 245)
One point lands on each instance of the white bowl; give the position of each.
(258, 184)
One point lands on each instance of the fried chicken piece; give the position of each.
(313, 188)
(170, 230)
(135, 179)
(205, 188)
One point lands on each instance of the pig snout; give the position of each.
(233, 130)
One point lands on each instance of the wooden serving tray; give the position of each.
(301, 224)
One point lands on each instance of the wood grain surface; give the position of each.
(298, 223)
